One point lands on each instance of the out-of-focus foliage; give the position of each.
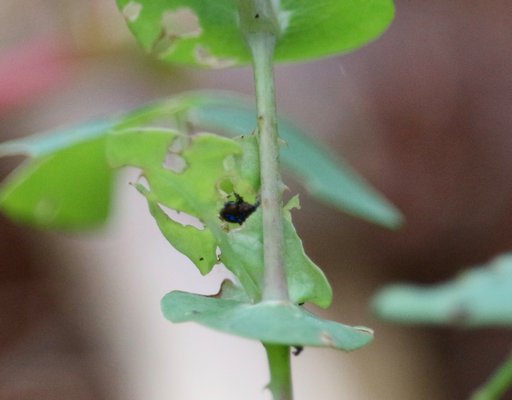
(65, 184)
(477, 297)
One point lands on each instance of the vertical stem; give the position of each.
(280, 372)
(497, 385)
(259, 24)
(274, 285)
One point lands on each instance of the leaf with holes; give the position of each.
(326, 177)
(214, 168)
(207, 33)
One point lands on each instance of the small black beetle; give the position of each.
(237, 211)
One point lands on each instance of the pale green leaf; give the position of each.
(478, 297)
(269, 322)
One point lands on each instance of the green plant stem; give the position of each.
(280, 371)
(260, 26)
(497, 385)
(275, 285)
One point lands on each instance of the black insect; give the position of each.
(237, 211)
(297, 350)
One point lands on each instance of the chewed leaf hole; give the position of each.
(204, 57)
(177, 25)
(132, 11)
(175, 163)
(182, 218)
(181, 23)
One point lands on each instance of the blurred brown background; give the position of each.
(424, 113)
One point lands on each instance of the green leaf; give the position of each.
(46, 143)
(67, 189)
(478, 297)
(199, 245)
(139, 147)
(207, 33)
(269, 322)
(66, 184)
(214, 168)
(324, 176)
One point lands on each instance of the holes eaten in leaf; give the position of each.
(132, 11)
(179, 24)
(175, 163)
(182, 217)
(204, 57)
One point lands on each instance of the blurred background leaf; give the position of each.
(66, 184)
(476, 298)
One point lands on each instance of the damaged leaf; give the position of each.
(207, 33)
(216, 167)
